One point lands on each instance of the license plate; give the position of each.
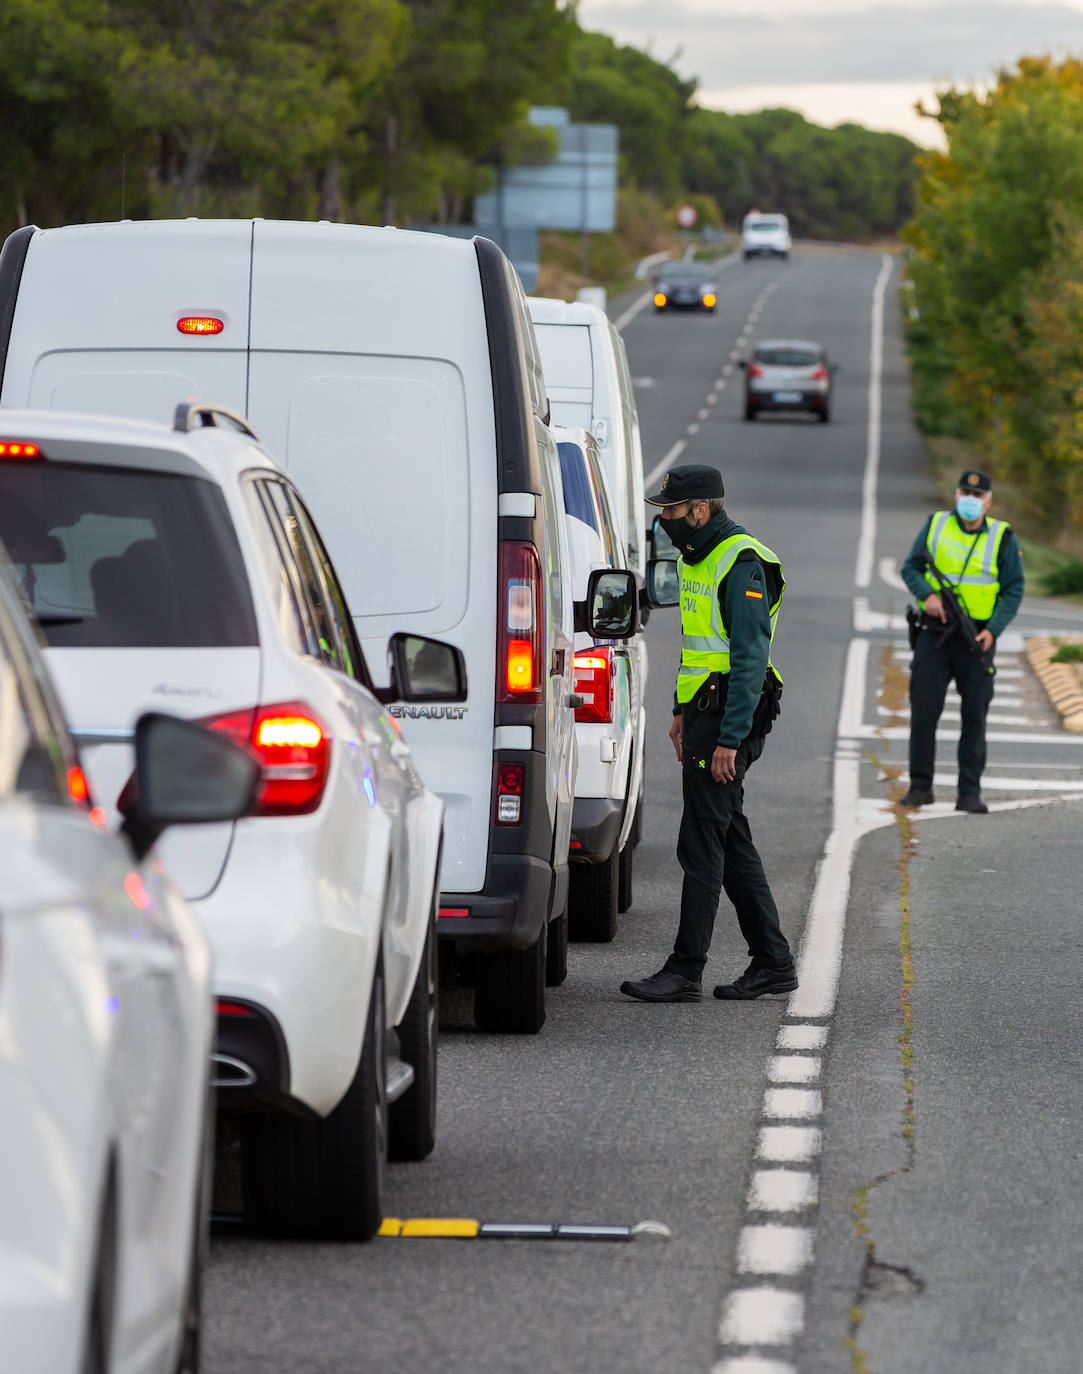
(787, 398)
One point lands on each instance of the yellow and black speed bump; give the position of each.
(464, 1228)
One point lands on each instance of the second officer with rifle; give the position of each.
(967, 574)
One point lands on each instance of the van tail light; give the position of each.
(19, 448)
(519, 655)
(819, 374)
(509, 793)
(755, 370)
(594, 682)
(293, 748)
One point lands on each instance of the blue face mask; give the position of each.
(968, 508)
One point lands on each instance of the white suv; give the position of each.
(180, 568)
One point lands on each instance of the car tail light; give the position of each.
(519, 656)
(200, 324)
(293, 748)
(659, 298)
(755, 370)
(19, 448)
(709, 299)
(509, 793)
(594, 682)
(818, 374)
(226, 1008)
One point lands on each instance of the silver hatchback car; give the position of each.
(788, 374)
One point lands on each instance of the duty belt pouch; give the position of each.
(768, 708)
(913, 625)
(711, 697)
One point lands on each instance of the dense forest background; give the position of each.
(385, 111)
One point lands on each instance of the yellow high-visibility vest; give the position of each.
(705, 645)
(969, 564)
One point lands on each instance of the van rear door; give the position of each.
(380, 406)
(97, 322)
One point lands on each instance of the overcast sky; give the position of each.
(866, 60)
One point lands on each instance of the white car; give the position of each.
(765, 236)
(179, 567)
(106, 1025)
(607, 677)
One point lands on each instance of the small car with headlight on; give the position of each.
(685, 285)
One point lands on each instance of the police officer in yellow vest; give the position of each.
(980, 558)
(726, 697)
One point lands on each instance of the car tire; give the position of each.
(509, 995)
(188, 1356)
(624, 877)
(324, 1180)
(411, 1131)
(556, 950)
(101, 1306)
(592, 900)
(751, 411)
(824, 415)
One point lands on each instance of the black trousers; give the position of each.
(933, 667)
(716, 852)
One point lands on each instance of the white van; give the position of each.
(607, 724)
(395, 375)
(765, 236)
(589, 385)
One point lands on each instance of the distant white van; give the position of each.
(396, 376)
(765, 236)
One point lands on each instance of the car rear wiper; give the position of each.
(60, 619)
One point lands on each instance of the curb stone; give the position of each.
(1061, 683)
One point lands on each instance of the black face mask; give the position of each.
(679, 531)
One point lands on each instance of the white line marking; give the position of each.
(712, 396)
(867, 543)
(802, 1038)
(664, 466)
(793, 1068)
(734, 354)
(633, 310)
(762, 1316)
(773, 1249)
(889, 573)
(703, 414)
(782, 1190)
(692, 429)
(752, 1364)
(792, 1104)
(947, 733)
(789, 1144)
(727, 371)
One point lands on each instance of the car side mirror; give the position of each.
(423, 670)
(663, 582)
(611, 610)
(185, 775)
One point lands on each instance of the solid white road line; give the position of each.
(664, 466)
(867, 543)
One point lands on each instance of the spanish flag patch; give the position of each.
(756, 596)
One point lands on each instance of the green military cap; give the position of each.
(689, 482)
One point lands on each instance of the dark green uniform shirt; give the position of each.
(748, 622)
(1009, 575)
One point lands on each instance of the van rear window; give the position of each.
(124, 558)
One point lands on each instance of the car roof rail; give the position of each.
(191, 415)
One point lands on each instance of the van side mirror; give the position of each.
(611, 610)
(423, 670)
(663, 583)
(185, 775)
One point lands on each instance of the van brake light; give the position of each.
(18, 448)
(519, 651)
(594, 682)
(200, 324)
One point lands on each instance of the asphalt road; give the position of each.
(933, 1223)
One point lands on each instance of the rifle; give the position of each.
(959, 620)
